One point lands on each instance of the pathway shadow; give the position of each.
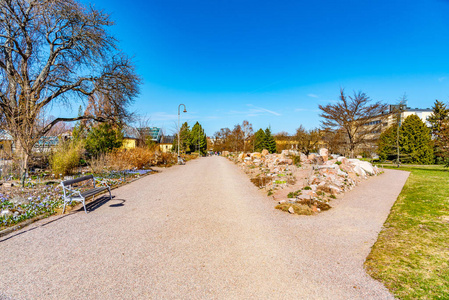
(99, 202)
(54, 219)
(91, 206)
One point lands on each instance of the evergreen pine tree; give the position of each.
(198, 139)
(437, 119)
(269, 141)
(185, 139)
(439, 115)
(259, 138)
(103, 138)
(203, 143)
(415, 141)
(387, 146)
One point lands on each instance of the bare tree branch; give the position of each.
(59, 50)
(355, 116)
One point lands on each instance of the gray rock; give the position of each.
(6, 213)
(19, 200)
(304, 197)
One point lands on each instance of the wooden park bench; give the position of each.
(71, 194)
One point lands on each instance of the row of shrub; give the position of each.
(70, 155)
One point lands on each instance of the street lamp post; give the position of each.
(179, 128)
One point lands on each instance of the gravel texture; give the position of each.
(200, 231)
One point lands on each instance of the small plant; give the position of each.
(338, 162)
(294, 194)
(333, 196)
(280, 182)
(306, 188)
(297, 160)
(270, 192)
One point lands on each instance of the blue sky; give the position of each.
(273, 62)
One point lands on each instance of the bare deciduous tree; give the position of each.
(222, 141)
(359, 119)
(58, 51)
(308, 140)
(283, 141)
(248, 133)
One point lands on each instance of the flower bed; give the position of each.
(18, 204)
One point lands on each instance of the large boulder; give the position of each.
(241, 156)
(319, 160)
(367, 167)
(324, 153)
(364, 165)
(6, 213)
(359, 171)
(328, 188)
(303, 157)
(256, 155)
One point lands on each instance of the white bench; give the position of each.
(71, 194)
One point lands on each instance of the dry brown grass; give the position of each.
(299, 209)
(139, 158)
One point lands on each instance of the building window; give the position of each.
(372, 123)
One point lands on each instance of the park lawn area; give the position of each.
(411, 255)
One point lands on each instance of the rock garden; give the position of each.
(303, 184)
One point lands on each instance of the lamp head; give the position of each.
(185, 110)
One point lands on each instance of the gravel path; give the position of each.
(200, 231)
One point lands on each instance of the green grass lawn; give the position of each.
(411, 256)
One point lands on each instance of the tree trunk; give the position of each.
(24, 156)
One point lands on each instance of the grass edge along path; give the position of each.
(411, 255)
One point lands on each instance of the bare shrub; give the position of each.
(166, 159)
(98, 164)
(138, 158)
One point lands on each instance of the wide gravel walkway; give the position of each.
(200, 231)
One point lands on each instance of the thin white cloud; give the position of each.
(268, 111)
(254, 111)
(441, 79)
(261, 109)
(313, 95)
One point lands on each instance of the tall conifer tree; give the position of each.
(269, 141)
(415, 141)
(259, 138)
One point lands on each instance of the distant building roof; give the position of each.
(48, 141)
(393, 108)
(154, 132)
(167, 139)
